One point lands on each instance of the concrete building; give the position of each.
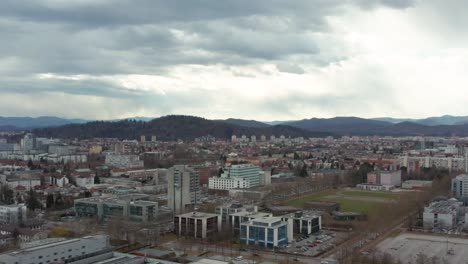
(123, 161)
(442, 214)
(197, 224)
(59, 149)
(391, 178)
(304, 223)
(224, 211)
(241, 176)
(416, 185)
(80, 250)
(133, 207)
(267, 232)
(15, 181)
(460, 186)
(28, 142)
(13, 214)
(244, 216)
(182, 187)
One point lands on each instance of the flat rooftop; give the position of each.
(407, 246)
(197, 215)
(251, 214)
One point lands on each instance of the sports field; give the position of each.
(350, 200)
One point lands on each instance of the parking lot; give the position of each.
(313, 244)
(406, 248)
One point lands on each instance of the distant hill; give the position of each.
(430, 121)
(171, 127)
(341, 125)
(242, 122)
(35, 122)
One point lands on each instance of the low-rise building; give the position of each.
(416, 185)
(132, 207)
(267, 232)
(304, 223)
(197, 224)
(59, 251)
(245, 216)
(442, 214)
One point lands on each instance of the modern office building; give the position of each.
(239, 176)
(131, 207)
(197, 224)
(183, 184)
(13, 214)
(80, 250)
(267, 232)
(460, 186)
(236, 219)
(304, 223)
(224, 211)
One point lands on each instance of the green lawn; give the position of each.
(387, 195)
(346, 205)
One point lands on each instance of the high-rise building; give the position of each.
(153, 138)
(183, 184)
(460, 186)
(28, 143)
(143, 139)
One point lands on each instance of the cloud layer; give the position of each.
(265, 59)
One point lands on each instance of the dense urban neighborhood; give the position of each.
(249, 197)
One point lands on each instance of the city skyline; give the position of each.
(268, 60)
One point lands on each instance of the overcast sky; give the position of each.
(255, 59)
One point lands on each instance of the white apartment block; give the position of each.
(218, 183)
(13, 214)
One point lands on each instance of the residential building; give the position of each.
(14, 214)
(460, 186)
(123, 161)
(134, 207)
(58, 250)
(28, 142)
(267, 232)
(182, 186)
(197, 224)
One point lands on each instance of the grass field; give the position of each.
(386, 195)
(346, 204)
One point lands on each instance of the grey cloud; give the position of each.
(290, 68)
(111, 37)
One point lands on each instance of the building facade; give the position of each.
(266, 232)
(197, 225)
(182, 187)
(13, 214)
(59, 251)
(460, 186)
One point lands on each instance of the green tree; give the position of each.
(6, 195)
(32, 202)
